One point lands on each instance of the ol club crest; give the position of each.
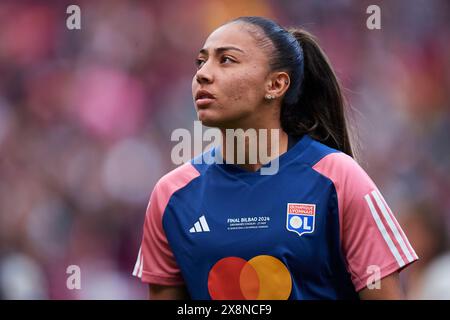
(300, 218)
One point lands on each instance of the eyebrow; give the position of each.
(220, 50)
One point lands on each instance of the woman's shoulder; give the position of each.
(329, 159)
(340, 167)
(177, 178)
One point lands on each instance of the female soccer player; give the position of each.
(316, 229)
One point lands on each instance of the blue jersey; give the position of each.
(317, 229)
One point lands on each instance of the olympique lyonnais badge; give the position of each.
(300, 218)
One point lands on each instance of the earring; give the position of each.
(269, 97)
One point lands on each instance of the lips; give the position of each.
(203, 98)
(203, 94)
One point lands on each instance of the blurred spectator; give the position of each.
(86, 117)
(427, 278)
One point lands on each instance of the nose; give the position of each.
(203, 76)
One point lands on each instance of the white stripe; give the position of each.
(392, 225)
(142, 266)
(408, 245)
(138, 262)
(204, 223)
(192, 230)
(383, 231)
(197, 227)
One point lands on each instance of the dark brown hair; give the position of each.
(314, 103)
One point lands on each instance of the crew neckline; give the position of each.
(295, 149)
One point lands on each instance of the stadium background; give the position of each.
(86, 117)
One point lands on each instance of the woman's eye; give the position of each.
(226, 59)
(199, 62)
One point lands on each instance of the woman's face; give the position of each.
(229, 85)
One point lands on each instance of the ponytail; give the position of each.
(320, 109)
(314, 103)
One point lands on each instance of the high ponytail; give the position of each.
(314, 103)
(320, 109)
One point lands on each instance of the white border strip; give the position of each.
(138, 263)
(383, 231)
(392, 225)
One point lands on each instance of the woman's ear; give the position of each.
(277, 85)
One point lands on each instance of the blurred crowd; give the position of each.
(86, 117)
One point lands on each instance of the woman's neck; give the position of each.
(251, 148)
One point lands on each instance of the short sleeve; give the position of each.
(371, 237)
(156, 262)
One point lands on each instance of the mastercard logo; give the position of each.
(261, 278)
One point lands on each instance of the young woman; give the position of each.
(316, 229)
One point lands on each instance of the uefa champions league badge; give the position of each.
(300, 218)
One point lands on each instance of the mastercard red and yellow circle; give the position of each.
(261, 278)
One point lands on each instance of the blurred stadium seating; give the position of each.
(86, 117)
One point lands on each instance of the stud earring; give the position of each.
(269, 97)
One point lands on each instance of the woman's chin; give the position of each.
(209, 123)
(210, 118)
(207, 119)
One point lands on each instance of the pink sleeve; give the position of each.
(370, 235)
(156, 263)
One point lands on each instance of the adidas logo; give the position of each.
(200, 226)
